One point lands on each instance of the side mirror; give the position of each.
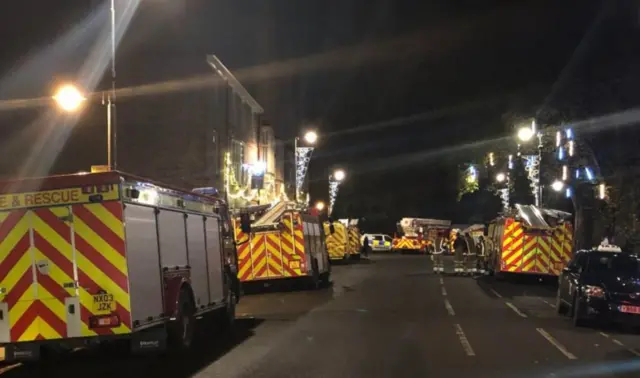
(245, 223)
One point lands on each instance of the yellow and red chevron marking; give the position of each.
(98, 237)
(405, 243)
(293, 243)
(354, 241)
(512, 246)
(336, 242)
(271, 255)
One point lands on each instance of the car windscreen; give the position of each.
(615, 263)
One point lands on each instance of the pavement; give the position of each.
(387, 317)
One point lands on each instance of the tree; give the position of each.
(479, 206)
(521, 192)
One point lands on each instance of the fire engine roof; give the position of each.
(534, 216)
(31, 184)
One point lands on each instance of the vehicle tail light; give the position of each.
(104, 321)
(594, 291)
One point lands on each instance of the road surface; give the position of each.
(390, 317)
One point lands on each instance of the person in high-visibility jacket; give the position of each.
(471, 257)
(437, 252)
(459, 250)
(482, 256)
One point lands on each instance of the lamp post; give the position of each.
(302, 158)
(533, 162)
(70, 99)
(335, 179)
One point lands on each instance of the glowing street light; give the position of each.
(302, 157)
(339, 175)
(501, 177)
(69, 98)
(525, 134)
(320, 205)
(311, 137)
(557, 185)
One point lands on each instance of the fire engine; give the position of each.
(417, 234)
(281, 242)
(337, 240)
(108, 256)
(353, 239)
(530, 240)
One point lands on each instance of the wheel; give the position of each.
(578, 321)
(561, 307)
(180, 332)
(230, 309)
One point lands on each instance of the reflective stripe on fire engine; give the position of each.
(272, 255)
(336, 242)
(37, 271)
(543, 252)
(354, 241)
(406, 244)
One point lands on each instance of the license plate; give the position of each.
(294, 264)
(103, 304)
(630, 309)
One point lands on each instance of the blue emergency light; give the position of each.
(208, 191)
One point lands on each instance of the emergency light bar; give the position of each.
(608, 248)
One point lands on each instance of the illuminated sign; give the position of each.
(59, 197)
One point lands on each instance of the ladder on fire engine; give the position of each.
(274, 213)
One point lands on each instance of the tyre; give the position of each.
(229, 317)
(561, 307)
(180, 332)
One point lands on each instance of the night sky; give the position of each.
(398, 88)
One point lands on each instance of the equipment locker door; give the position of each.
(57, 304)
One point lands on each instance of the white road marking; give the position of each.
(466, 345)
(633, 351)
(556, 344)
(449, 308)
(516, 310)
(441, 281)
(496, 293)
(618, 342)
(10, 367)
(546, 302)
(444, 291)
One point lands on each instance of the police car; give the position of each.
(601, 284)
(378, 242)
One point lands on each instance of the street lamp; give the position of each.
(302, 158)
(69, 98)
(311, 137)
(319, 205)
(525, 134)
(501, 177)
(533, 161)
(335, 179)
(557, 185)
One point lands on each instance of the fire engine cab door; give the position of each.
(56, 304)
